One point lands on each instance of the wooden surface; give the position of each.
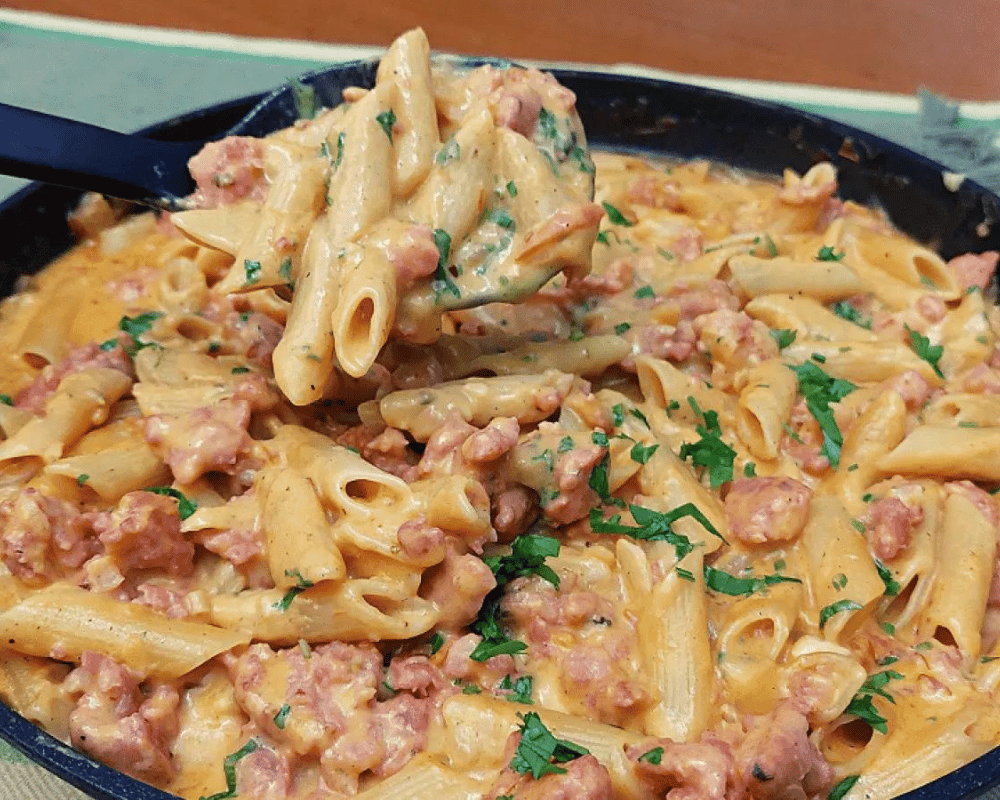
(948, 46)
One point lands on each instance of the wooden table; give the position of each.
(948, 46)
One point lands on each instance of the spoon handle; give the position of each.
(52, 149)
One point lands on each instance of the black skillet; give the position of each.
(618, 112)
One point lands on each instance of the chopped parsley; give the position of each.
(341, 137)
(892, 587)
(622, 327)
(598, 480)
(644, 293)
(512, 188)
(828, 612)
(582, 159)
(710, 452)
(684, 574)
(185, 506)
(6, 399)
(519, 690)
(845, 310)
(653, 756)
(437, 642)
(547, 123)
(842, 788)
(654, 525)
(82, 479)
(724, 583)
(449, 151)
(229, 770)
(539, 751)
(301, 584)
(924, 349)
(281, 716)
(635, 412)
(783, 336)
(239, 370)
(499, 216)
(749, 470)
(251, 271)
(565, 444)
(285, 269)
(618, 414)
(819, 390)
(387, 119)
(827, 253)
(138, 325)
(527, 557)
(616, 216)
(770, 247)
(442, 278)
(641, 453)
(547, 458)
(863, 707)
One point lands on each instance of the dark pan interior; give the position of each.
(618, 112)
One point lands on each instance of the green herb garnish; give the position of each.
(386, 120)
(819, 390)
(442, 278)
(724, 583)
(229, 770)
(616, 216)
(641, 453)
(520, 690)
(845, 310)
(828, 612)
(783, 336)
(185, 506)
(710, 452)
(924, 349)
(827, 253)
(538, 749)
(449, 151)
(281, 716)
(843, 787)
(301, 584)
(251, 271)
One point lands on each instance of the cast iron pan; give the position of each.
(618, 112)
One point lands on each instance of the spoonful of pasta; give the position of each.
(440, 188)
